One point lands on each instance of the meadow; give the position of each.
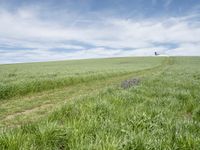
(20, 79)
(80, 104)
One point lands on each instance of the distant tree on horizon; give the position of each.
(156, 54)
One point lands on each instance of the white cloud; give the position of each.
(186, 49)
(25, 28)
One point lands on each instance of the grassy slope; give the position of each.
(22, 79)
(161, 113)
(19, 110)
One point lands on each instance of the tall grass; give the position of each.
(21, 79)
(162, 112)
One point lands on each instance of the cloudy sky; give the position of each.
(44, 30)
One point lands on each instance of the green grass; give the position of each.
(162, 112)
(22, 79)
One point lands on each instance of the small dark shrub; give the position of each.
(130, 83)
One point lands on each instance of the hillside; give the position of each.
(82, 104)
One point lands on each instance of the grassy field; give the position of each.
(20, 79)
(81, 104)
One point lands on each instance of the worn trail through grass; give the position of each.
(33, 107)
(161, 110)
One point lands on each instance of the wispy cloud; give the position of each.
(88, 36)
(167, 3)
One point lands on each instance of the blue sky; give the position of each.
(75, 29)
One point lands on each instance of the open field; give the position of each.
(81, 104)
(20, 79)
